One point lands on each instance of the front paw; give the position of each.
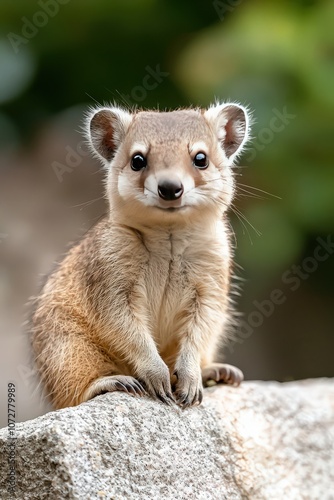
(188, 388)
(113, 383)
(156, 381)
(222, 373)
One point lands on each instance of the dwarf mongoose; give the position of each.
(141, 303)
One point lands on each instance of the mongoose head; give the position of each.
(165, 167)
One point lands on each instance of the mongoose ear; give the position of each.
(231, 124)
(107, 129)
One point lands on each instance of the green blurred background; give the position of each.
(57, 57)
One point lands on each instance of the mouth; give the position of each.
(172, 209)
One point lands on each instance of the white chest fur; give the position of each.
(178, 261)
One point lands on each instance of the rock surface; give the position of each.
(264, 440)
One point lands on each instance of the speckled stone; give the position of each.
(264, 440)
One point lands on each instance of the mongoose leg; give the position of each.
(188, 385)
(149, 369)
(222, 373)
(135, 342)
(188, 388)
(158, 387)
(114, 383)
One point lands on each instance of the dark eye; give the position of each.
(138, 162)
(201, 161)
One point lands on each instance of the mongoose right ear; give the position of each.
(230, 121)
(107, 129)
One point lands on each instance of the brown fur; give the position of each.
(142, 300)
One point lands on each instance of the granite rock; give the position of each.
(263, 440)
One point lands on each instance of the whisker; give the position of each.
(260, 190)
(246, 194)
(86, 203)
(246, 220)
(244, 227)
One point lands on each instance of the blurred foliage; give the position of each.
(269, 55)
(272, 56)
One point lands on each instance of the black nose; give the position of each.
(170, 190)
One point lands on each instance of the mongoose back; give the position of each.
(141, 303)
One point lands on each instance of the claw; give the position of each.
(140, 388)
(182, 398)
(197, 398)
(200, 397)
(133, 387)
(164, 399)
(170, 396)
(130, 389)
(121, 386)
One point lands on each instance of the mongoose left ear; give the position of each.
(231, 124)
(107, 129)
